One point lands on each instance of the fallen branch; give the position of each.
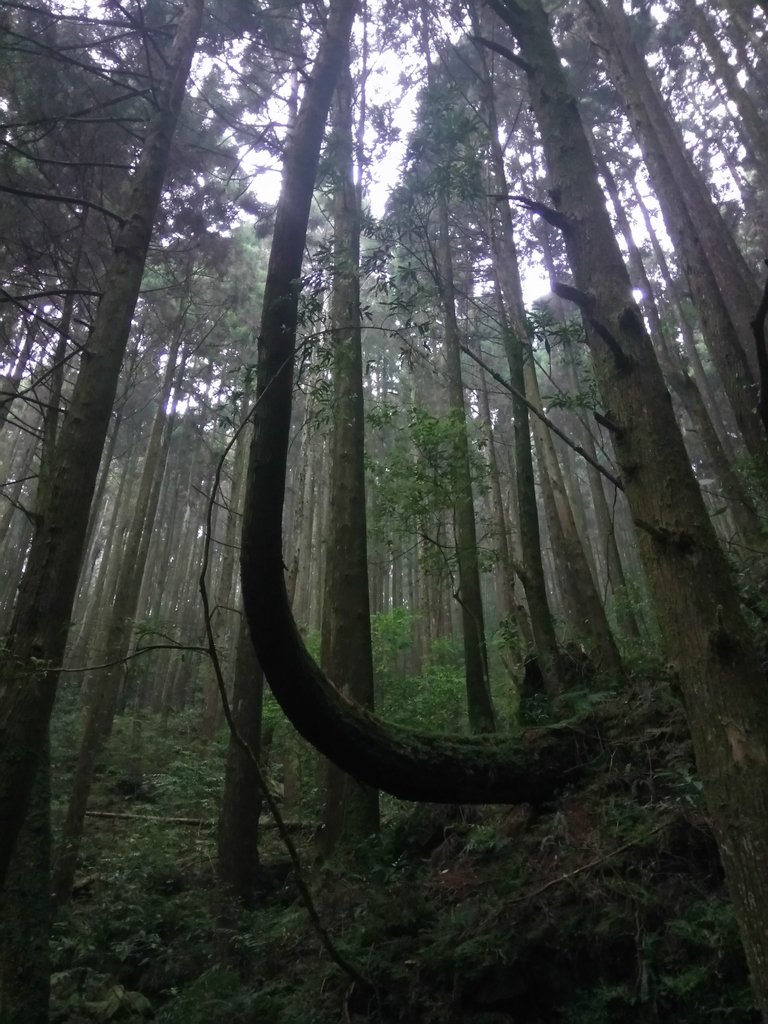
(292, 826)
(590, 864)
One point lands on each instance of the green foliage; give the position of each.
(96, 998)
(436, 699)
(443, 157)
(416, 486)
(216, 995)
(391, 636)
(607, 906)
(599, 1004)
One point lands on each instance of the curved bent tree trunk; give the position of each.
(404, 762)
(47, 592)
(706, 637)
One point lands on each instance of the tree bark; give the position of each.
(479, 704)
(515, 343)
(722, 416)
(238, 866)
(225, 591)
(25, 912)
(750, 125)
(587, 613)
(351, 810)
(683, 385)
(404, 762)
(510, 609)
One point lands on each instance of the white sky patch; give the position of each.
(384, 172)
(535, 283)
(658, 14)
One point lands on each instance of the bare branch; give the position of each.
(69, 200)
(505, 51)
(63, 163)
(7, 297)
(544, 418)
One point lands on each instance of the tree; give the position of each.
(405, 762)
(237, 866)
(105, 686)
(351, 810)
(39, 629)
(516, 342)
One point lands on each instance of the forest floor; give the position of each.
(609, 905)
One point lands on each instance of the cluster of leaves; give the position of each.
(416, 486)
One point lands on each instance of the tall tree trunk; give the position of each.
(105, 686)
(406, 762)
(721, 414)
(534, 583)
(509, 607)
(9, 383)
(479, 704)
(750, 125)
(104, 581)
(697, 604)
(604, 517)
(39, 630)
(351, 810)
(515, 342)
(225, 590)
(237, 865)
(25, 912)
(26, 902)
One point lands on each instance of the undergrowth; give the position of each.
(607, 905)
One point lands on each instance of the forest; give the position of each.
(383, 511)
